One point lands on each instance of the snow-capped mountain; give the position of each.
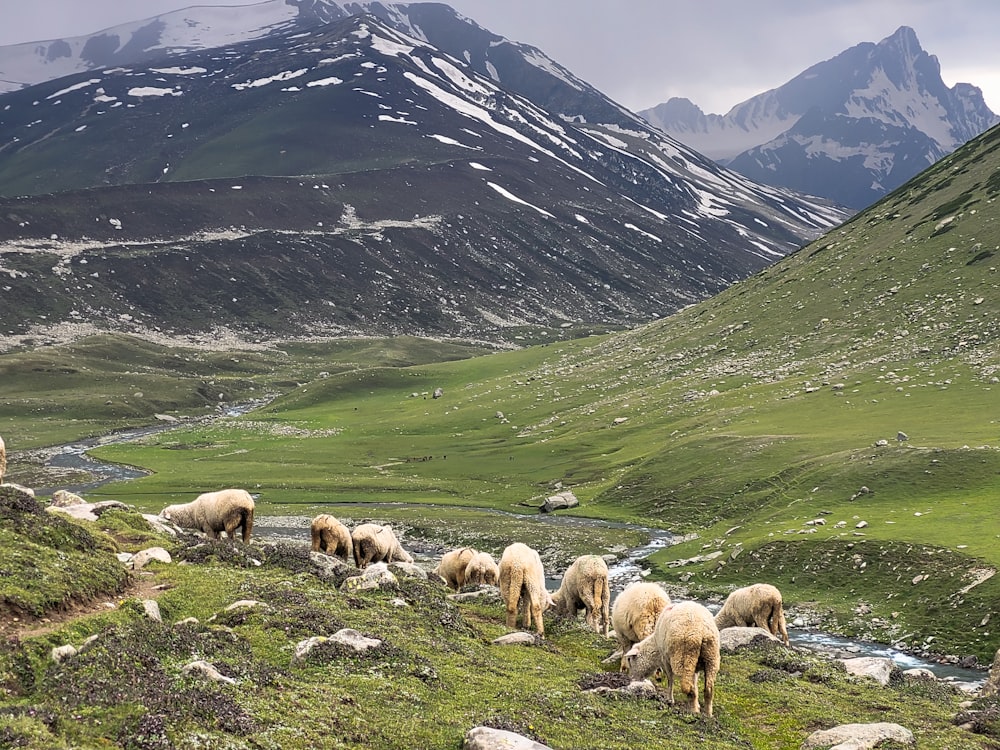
(346, 176)
(851, 128)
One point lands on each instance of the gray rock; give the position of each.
(641, 688)
(877, 667)
(61, 653)
(353, 639)
(516, 639)
(143, 556)
(409, 570)
(206, 670)
(733, 638)
(560, 501)
(484, 592)
(858, 736)
(488, 738)
(152, 610)
(376, 576)
(327, 566)
(158, 525)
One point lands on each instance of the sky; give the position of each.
(717, 53)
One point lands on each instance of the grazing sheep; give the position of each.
(585, 586)
(3, 459)
(374, 543)
(331, 536)
(684, 642)
(522, 586)
(482, 570)
(452, 566)
(635, 613)
(215, 512)
(757, 605)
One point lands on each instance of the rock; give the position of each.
(488, 738)
(640, 688)
(327, 566)
(902, 436)
(206, 670)
(733, 638)
(353, 639)
(165, 418)
(249, 603)
(152, 610)
(376, 576)
(65, 498)
(560, 501)
(485, 592)
(858, 736)
(438, 393)
(919, 673)
(992, 684)
(305, 647)
(409, 570)
(877, 667)
(61, 653)
(143, 556)
(516, 639)
(158, 525)
(85, 511)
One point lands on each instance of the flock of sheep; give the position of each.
(653, 633)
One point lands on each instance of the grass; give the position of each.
(435, 675)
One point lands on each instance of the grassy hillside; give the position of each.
(435, 675)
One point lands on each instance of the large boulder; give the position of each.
(560, 501)
(859, 736)
(488, 738)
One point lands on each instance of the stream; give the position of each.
(622, 572)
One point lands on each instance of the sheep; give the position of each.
(375, 543)
(330, 536)
(215, 512)
(522, 586)
(635, 613)
(452, 566)
(3, 459)
(585, 586)
(757, 605)
(684, 642)
(482, 570)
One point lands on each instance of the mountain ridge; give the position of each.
(877, 115)
(413, 162)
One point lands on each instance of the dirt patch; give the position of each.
(144, 587)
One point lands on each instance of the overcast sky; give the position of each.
(717, 53)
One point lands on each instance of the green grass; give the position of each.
(436, 675)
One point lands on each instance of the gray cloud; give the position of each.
(641, 52)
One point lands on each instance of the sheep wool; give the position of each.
(215, 512)
(758, 605)
(482, 570)
(585, 586)
(453, 565)
(684, 642)
(375, 543)
(330, 536)
(635, 613)
(522, 586)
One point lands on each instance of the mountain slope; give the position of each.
(393, 191)
(851, 128)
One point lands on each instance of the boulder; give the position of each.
(376, 576)
(560, 501)
(992, 684)
(733, 638)
(859, 736)
(488, 738)
(877, 667)
(143, 556)
(519, 638)
(206, 670)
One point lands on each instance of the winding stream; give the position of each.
(626, 570)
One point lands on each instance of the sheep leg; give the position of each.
(709, 690)
(685, 665)
(536, 610)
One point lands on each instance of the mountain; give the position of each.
(345, 177)
(851, 128)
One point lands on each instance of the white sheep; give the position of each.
(585, 586)
(757, 605)
(215, 512)
(3, 459)
(453, 565)
(684, 642)
(522, 586)
(482, 570)
(330, 536)
(635, 612)
(375, 543)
